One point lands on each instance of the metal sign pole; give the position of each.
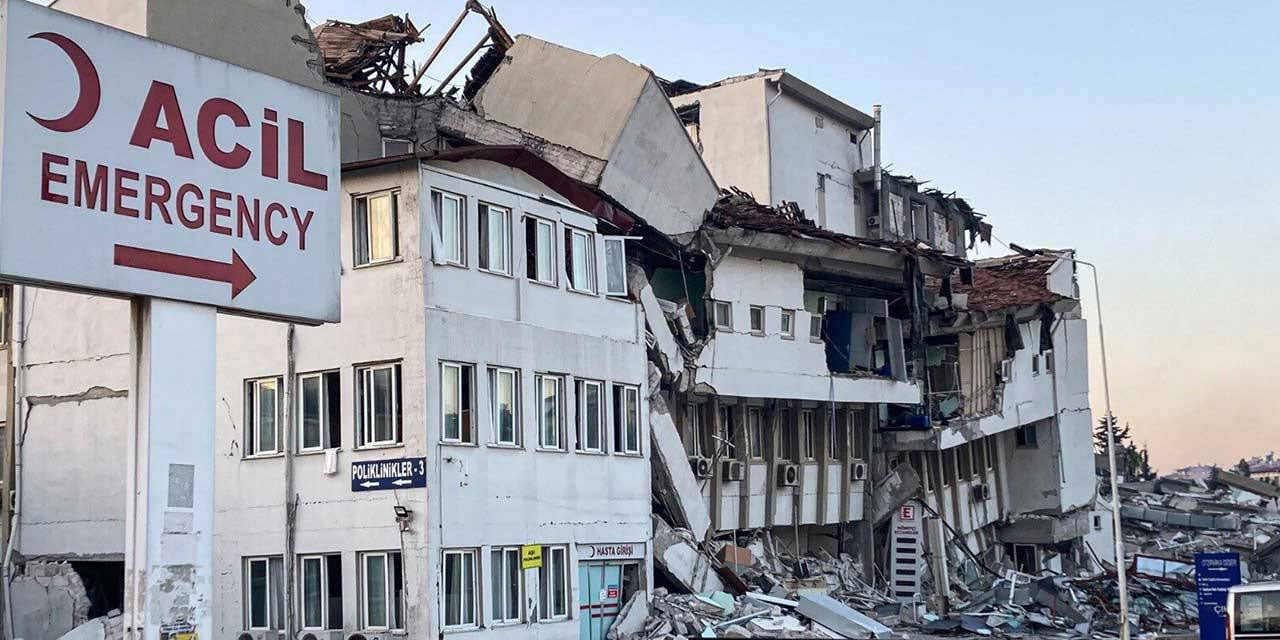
(169, 531)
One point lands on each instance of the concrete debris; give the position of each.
(677, 554)
(838, 617)
(49, 600)
(674, 484)
(108, 627)
(631, 618)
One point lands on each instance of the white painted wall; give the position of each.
(1101, 539)
(733, 134)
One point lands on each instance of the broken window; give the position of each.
(626, 419)
(262, 416)
(540, 250)
(1026, 437)
(788, 326)
(376, 238)
(809, 434)
(264, 593)
(727, 445)
(920, 221)
(580, 260)
(757, 320)
(917, 459)
(550, 411)
(590, 395)
(396, 147)
(457, 417)
(817, 307)
(615, 266)
(319, 411)
(553, 579)
(320, 591)
(755, 432)
(378, 405)
(722, 315)
(495, 239)
(1025, 559)
(508, 585)
(460, 606)
(450, 214)
(965, 461)
(504, 415)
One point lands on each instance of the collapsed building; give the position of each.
(608, 329)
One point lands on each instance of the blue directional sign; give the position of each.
(1215, 574)
(396, 473)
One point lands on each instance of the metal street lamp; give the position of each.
(1121, 577)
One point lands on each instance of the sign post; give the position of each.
(136, 169)
(1216, 573)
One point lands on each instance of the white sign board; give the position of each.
(906, 551)
(132, 167)
(620, 551)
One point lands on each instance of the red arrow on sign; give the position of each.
(236, 273)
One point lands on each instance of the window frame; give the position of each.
(722, 321)
(571, 262)
(325, 594)
(466, 553)
(395, 605)
(270, 599)
(1026, 436)
(755, 433)
(580, 391)
(558, 380)
(787, 324)
(756, 313)
(328, 430)
(495, 427)
(466, 399)
(499, 585)
(484, 227)
(540, 223)
(253, 436)
(545, 575)
(360, 207)
(621, 242)
(438, 197)
(364, 426)
(833, 435)
(808, 435)
(822, 304)
(693, 435)
(623, 396)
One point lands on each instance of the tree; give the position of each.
(1242, 467)
(1100, 436)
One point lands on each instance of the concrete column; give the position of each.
(717, 454)
(169, 525)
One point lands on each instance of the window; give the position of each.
(991, 452)
(788, 323)
(376, 236)
(694, 440)
(580, 260)
(755, 432)
(757, 320)
(1097, 523)
(507, 585)
(540, 250)
(979, 450)
(264, 593)
(786, 438)
(319, 411)
(615, 266)
(460, 606)
(626, 419)
(948, 467)
(495, 239)
(817, 307)
(1025, 436)
(320, 591)
(965, 461)
(722, 314)
(396, 147)
(457, 418)
(809, 434)
(4, 315)
(1257, 612)
(918, 460)
(1025, 559)
(262, 416)
(1035, 364)
(858, 419)
(835, 436)
(382, 590)
(504, 415)
(1048, 358)
(920, 221)
(378, 405)
(590, 416)
(550, 411)
(450, 227)
(553, 579)
(727, 442)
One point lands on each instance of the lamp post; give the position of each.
(1121, 577)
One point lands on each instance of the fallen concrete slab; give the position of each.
(892, 492)
(838, 617)
(631, 618)
(675, 552)
(673, 480)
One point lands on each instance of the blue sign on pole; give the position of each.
(396, 473)
(1215, 574)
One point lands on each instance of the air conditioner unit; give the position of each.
(873, 221)
(857, 471)
(701, 467)
(981, 492)
(788, 475)
(258, 634)
(732, 470)
(379, 634)
(321, 634)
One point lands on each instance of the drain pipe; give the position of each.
(875, 148)
(17, 429)
(290, 504)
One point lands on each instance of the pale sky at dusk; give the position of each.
(1144, 135)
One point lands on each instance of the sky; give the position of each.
(1144, 135)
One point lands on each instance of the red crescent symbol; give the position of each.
(90, 87)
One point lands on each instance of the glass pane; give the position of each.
(267, 416)
(312, 594)
(633, 420)
(468, 590)
(451, 229)
(560, 593)
(550, 413)
(449, 389)
(506, 410)
(375, 584)
(498, 235)
(581, 261)
(452, 589)
(512, 569)
(311, 412)
(258, 594)
(362, 230)
(615, 266)
(592, 417)
(382, 236)
(496, 584)
(546, 252)
(382, 410)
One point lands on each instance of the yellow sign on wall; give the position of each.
(531, 556)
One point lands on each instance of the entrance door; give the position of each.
(599, 599)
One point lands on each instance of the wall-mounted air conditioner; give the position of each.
(258, 634)
(375, 634)
(873, 221)
(788, 475)
(981, 492)
(701, 467)
(321, 634)
(732, 471)
(857, 471)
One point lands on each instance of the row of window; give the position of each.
(700, 441)
(722, 318)
(969, 461)
(381, 594)
(376, 240)
(378, 419)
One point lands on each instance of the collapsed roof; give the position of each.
(1008, 282)
(368, 56)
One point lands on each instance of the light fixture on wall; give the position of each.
(403, 515)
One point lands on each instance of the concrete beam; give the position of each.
(673, 480)
(892, 491)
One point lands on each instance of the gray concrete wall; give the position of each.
(734, 134)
